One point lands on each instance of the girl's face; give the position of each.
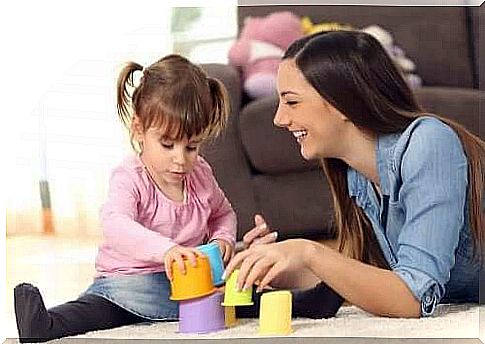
(316, 125)
(169, 159)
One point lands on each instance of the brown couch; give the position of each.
(259, 166)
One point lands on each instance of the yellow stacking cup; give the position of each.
(232, 297)
(275, 313)
(196, 282)
(230, 316)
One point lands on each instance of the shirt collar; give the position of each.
(384, 156)
(357, 182)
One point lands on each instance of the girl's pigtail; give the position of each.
(124, 86)
(221, 107)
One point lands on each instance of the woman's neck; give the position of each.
(360, 154)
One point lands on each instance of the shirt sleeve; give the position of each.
(222, 221)
(118, 219)
(433, 192)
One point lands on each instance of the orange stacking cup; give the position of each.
(196, 282)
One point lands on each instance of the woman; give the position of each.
(407, 186)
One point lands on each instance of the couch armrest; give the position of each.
(226, 156)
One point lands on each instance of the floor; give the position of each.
(61, 267)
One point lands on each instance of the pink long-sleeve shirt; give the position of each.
(140, 223)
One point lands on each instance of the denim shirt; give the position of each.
(421, 219)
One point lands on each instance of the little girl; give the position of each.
(162, 203)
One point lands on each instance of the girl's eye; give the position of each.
(192, 148)
(167, 145)
(291, 102)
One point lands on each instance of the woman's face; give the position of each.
(316, 125)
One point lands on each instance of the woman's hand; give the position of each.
(177, 253)
(259, 234)
(227, 250)
(265, 262)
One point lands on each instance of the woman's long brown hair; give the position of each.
(353, 72)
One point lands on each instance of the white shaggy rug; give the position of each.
(448, 321)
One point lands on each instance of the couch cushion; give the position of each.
(270, 150)
(435, 38)
(273, 150)
(296, 204)
(464, 106)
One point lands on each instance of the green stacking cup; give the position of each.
(232, 297)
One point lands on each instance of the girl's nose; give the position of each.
(179, 158)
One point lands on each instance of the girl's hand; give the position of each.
(227, 250)
(260, 234)
(265, 262)
(177, 253)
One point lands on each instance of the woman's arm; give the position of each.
(373, 289)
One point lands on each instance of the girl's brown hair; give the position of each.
(352, 71)
(173, 94)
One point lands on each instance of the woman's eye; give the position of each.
(167, 145)
(192, 148)
(291, 102)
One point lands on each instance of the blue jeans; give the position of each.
(145, 295)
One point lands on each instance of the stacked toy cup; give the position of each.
(275, 313)
(234, 297)
(201, 304)
(200, 307)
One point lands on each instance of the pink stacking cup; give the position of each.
(202, 315)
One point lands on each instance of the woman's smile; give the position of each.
(300, 135)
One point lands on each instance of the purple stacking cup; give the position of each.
(202, 315)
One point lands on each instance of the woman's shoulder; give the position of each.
(427, 132)
(425, 138)
(428, 127)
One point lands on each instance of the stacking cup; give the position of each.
(213, 252)
(275, 313)
(230, 316)
(232, 297)
(196, 282)
(202, 315)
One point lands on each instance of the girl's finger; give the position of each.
(180, 262)
(168, 268)
(227, 254)
(191, 256)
